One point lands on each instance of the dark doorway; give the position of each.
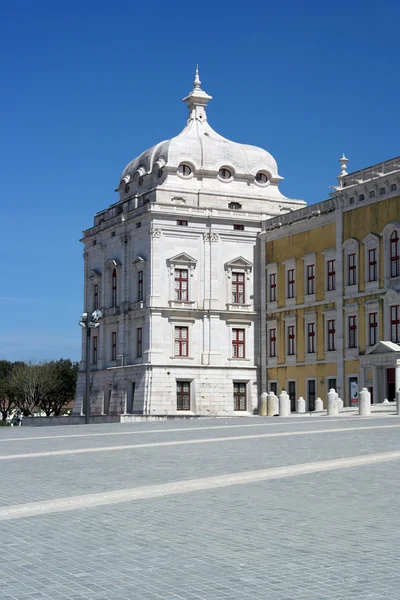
(292, 395)
(130, 399)
(311, 394)
(391, 384)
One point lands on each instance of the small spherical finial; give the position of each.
(343, 163)
(197, 82)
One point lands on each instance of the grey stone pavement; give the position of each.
(332, 533)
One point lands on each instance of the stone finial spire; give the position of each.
(197, 100)
(343, 165)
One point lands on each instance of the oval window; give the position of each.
(184, 170)
(141, 180)
(261, 177)
(126, 188)
(225, 173)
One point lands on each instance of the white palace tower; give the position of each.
(174, 267)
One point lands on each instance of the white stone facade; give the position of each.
(188, 218)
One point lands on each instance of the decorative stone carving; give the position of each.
(211, 237)
(155, 233)
(124, 238)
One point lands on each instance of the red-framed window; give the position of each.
(291, 340)
(394, 255)
(140, 286)
(114, 345)
(95, 297)
(181, 285)
(395, 323)
(290, 283)
(331, 270)
(331, 334)
(139, 342)
(114, 288)
(310, 279)
(272, 287)
(272, 343)
(310, 338)
(372, 265)
(372, 328)
(238, 227)
(181, 341)
(238, 288)
(183, 395)
(352, 269)
(238, 343)
(94, 349)
(182, 223)
(352, 332)
(239, 396)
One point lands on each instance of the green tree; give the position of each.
(7, 398)
(58, 385)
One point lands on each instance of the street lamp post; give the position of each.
(88, 324)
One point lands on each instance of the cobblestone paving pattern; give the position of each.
(332, 535)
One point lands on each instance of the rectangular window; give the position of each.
(183, 395)
(394, 255)
(332, 384)
(395, 323)
(372, 265)
(181, 285)
(138, 225)
(292, 395)
(310, 279)
(291, 340)
(393, 187)
(352, 332)
(238, 227)
(182, 223)
(310, 338)
(311, 394)
(94, 349)
(140, 286)
(114, 288)
(352, 272)
(372, 328)
(114, 345)
(238, 288)
(95, 297)
(272, 287)
(371, 194)
(290, 283)
(139, 342)
(273, 387)
(272, 343)
(331, 282)
(239, 396)
(181, 341)
(382, 191)
(238, 347)
(331, 335)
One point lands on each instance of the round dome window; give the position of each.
(184, 170)
(127, 188)
(262, 178)
(225, 173)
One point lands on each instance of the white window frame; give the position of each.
(272, 361)
(110, 265)
(371, 242)
(330, 254)
(310, 317)
(308, 260)
(290, 264)
(391, 298)
(290, 359)
(245, 267)
(272, 269)
(330, 315)
(239, 325)
(95, 279)
(188, 263)
(372, 306)
(386, 235)
(351, 310)
(138, 264)
(181, 322)
(350, 246)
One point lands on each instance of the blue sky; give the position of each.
(86, 86)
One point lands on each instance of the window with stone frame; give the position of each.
(310, 273)
(331, 331)
(181, 285)
(394, 254)
(238, 343)
(140, 286)
(113, 345)
(372, 328)
(395, 323)
(272, 287)
(372, 264)
(238, 288)
(96, 296)
(239, 396)
(351, 269)
(331, 275)
(290, 283)
(94, 349)
(183, 395)
(291, 340)
(114, 288)
(310, 338)
(139, 342)
(181, 341)
(272, 342)
(352, 331)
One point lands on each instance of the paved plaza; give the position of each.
(205, 509)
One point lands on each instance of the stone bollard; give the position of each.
(301, 405)
(340, 404)
(332, 404)
(272, 404)
(262, 411)
(284, 404)
(364, 403)
(319, 405)
(398, 402)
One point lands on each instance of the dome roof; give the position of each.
(203, 149)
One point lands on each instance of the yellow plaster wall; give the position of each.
(300, 373)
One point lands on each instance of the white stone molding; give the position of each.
(238, 265)
(330, 254)
(155, 232)
(330, 315)
(391, 298)
(110, 265)
(350, 246)
(371, 242)
(371, 306)
(290, 321)
(210, 236)
(289, 264)
(272, 360)
(310, 317)
(271, 269)
(181, 261)
(351, 310)
(308, 260)
(386, 234)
